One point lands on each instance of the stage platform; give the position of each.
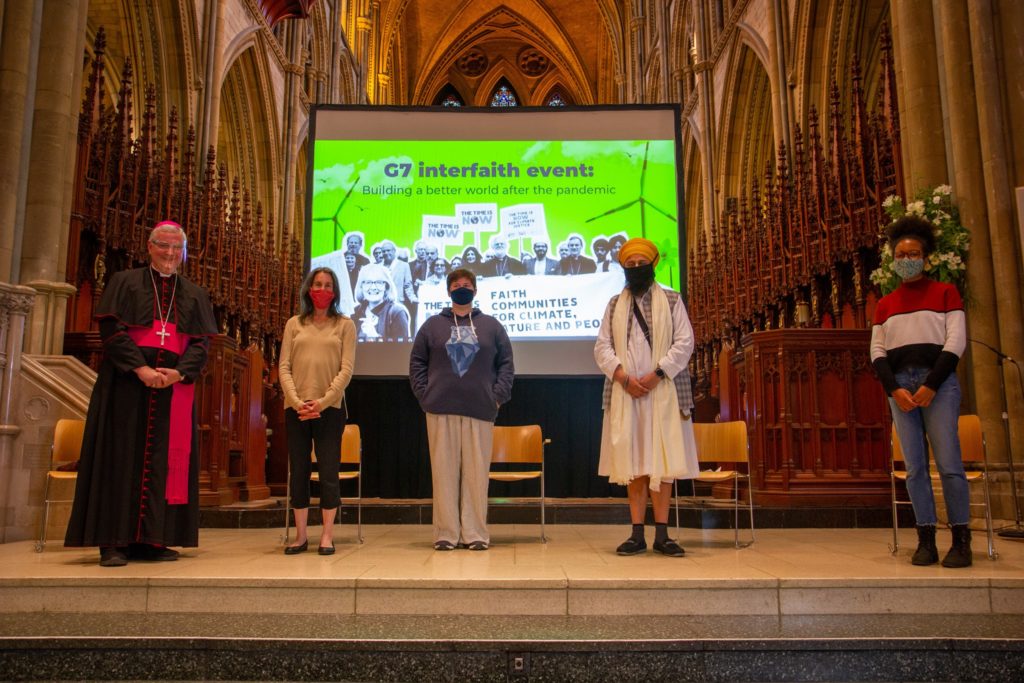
(800, 604)
(697, 513)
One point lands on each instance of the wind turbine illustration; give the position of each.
(644, 203)
(334, 219)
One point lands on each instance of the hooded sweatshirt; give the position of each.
(487, 383)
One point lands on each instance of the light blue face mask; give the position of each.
(907, 268)
(462, 347)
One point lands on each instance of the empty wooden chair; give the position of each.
(60, 484)
(520, 445)
(724, 442)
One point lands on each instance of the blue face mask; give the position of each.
(907, 268)
(462, 295)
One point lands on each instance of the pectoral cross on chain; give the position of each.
(163, 334)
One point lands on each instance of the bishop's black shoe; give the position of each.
(113, 557)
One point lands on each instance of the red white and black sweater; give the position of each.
(919, 325)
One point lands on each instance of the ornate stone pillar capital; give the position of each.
(45, 332)
(17, 299)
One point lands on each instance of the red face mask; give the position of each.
(322, 298)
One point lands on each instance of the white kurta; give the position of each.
(639, 357)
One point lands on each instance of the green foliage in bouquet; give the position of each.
(948, 263)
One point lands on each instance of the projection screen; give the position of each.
(535, 201)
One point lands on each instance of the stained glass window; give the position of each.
(555, 100)
(448, 96)
(504, 97)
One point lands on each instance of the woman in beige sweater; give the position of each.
(318, 351)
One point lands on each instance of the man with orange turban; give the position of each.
(643, 348)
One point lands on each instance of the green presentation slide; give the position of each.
(515, 212)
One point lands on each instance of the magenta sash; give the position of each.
(179, 441)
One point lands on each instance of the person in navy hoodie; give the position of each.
(461, 371)
(918, 336)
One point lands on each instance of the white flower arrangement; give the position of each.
(952, 241)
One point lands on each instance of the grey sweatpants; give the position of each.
(460, 460)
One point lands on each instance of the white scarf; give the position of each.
(668, 431)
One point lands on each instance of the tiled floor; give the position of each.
(787, 572)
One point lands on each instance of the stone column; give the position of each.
(703, 67)
(54, 115)
(71, 148)
(924, 149)
(781, 112)
(979, 368)
(15, 303)
(998, 189)
(664, 42)
(364, 24)
(293, 72)
(19, 36)
(679, 86)
(384, 94)
(209, 118)
(637, 24)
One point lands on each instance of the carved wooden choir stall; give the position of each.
(795, 254)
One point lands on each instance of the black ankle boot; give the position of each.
(959, 554)
(926, 552)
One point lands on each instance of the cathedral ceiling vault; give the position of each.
(535, 45)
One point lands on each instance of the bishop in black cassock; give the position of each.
(138, 478)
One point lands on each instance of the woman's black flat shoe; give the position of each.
(296, 549)
(326, 549)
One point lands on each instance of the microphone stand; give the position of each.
(1016, 531)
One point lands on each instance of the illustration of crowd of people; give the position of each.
(385, 285)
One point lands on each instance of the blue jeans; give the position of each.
(939, 422)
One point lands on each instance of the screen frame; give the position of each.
(572, 347)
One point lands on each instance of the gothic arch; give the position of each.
(827, 39)
(464, 31)
(547, 87)
(501, 72)
(448, 90)
(613, 25)
(680, 33)
(693, 190)
(160, 40)
(318, 54)
(242, 41)
(390, 48)
(176, 69)
(248, 129)
(747, 124)
(347, 74)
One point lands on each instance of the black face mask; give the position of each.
(639, 278)
(462, 295)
